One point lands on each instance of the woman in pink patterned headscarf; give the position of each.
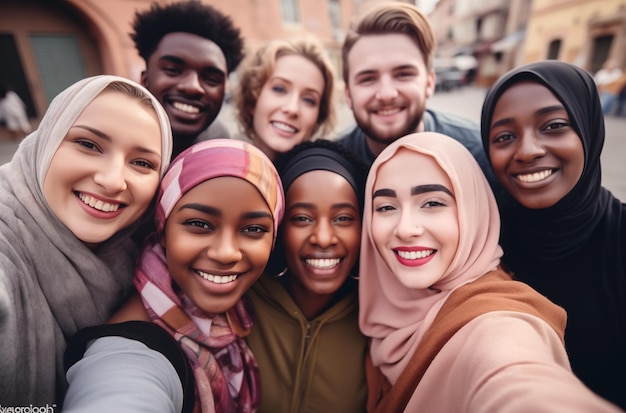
(217, 213)
(450, 331)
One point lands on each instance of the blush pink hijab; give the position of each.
(396, 317)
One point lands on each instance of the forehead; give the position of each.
(299, 71)
(408, 168)
(308, 186)
(382, 52)
(533, 94)
(192, 49)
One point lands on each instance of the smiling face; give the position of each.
(321, 233)
(536, 154)
(105, 172)
(388, 84)
(288, 106)
(217, 241)
(415, 223)
(187, 74)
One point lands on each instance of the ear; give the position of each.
(144, 79)
(430, 83)
(348, 97)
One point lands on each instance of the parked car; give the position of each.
(454, 72)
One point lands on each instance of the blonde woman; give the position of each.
(285, 95)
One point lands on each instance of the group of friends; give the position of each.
(420, 262)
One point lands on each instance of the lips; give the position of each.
(98, 204)
(323, 263)
(184, 107)
(535, 176)
(283, 127)
(388, 111)
(217, 279)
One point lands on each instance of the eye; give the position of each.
(145, 164)
(365, 80)
(198, 224)
(503, 137)
(300, 219)
(556, 125)
(171, 70)
(279, 89)
(256, 231)
(88, 145)
(384, 208)
(434, 204)
(404, 75)
(213, 79)
(310, 101)
(344, 219)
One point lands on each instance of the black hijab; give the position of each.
(574, 251)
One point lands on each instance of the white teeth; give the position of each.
(536, 177)
(414, 255)
(183, 107)
(218, 279)
(323, 263)
(284, 127)
(387, 112)
(98, 204)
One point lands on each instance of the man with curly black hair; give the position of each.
(189, 48)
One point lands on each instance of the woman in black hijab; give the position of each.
(562, 232)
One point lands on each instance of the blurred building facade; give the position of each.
(502, 34)
(48, 44)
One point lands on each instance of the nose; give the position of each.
(386, 89)
(112, 176)
(190, 83)
(408, 226)
(291, 105)
(529, 148)
(323, 234)
(225, 248)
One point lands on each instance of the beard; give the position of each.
(387, 137)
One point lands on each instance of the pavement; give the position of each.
(466, 102)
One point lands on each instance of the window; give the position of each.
(291, 12)
(59, 61)
(553, 49)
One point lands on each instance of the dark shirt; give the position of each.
(463, 130)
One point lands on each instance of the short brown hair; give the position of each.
(392, 18)
(258, 68)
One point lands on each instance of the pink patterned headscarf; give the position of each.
(394, 316)
(226, 373)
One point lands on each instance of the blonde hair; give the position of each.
(257, 69)
(392, 18)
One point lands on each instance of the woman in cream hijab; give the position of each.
(70, 198)
(450, 331)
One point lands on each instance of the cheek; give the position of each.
(145, 190)
(259, 255)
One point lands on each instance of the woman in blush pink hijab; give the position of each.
(450, 331)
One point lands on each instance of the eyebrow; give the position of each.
(416, 190)
(107, 138)
(209, 210)
(541, 111)
(421, 189)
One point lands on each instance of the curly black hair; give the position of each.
(189, 16)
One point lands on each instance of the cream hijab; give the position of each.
(51, 284)
(394, 316)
